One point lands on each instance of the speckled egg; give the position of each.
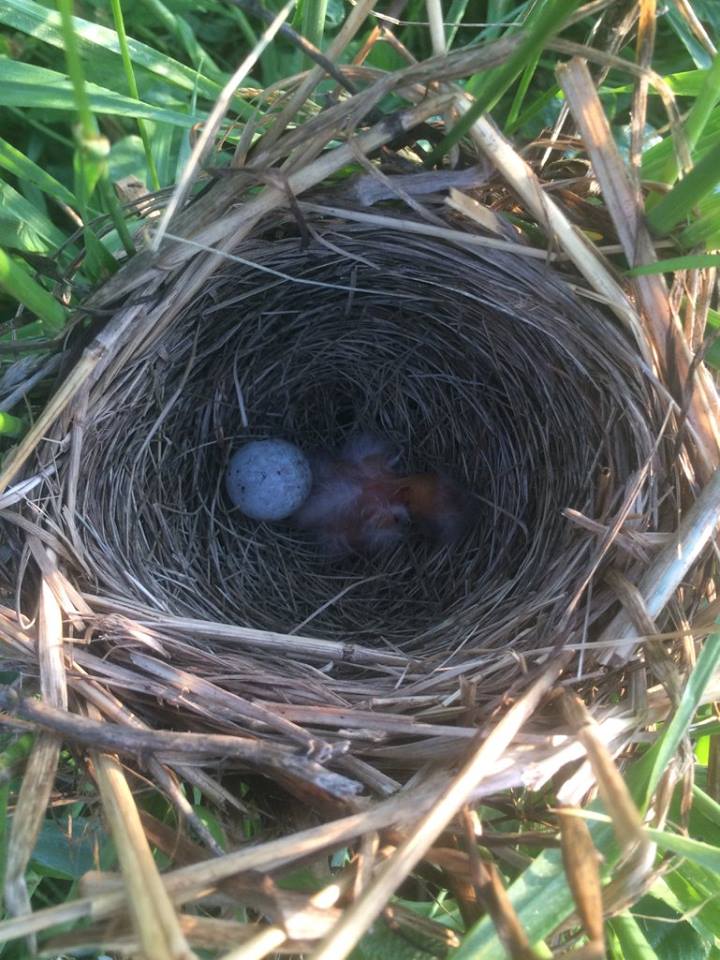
(268, 479)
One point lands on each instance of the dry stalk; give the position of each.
(668, 569)
(37, 783)
(356, 920)
(153, 916)
(551, 218)
(662, 324)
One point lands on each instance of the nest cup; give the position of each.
(476, 363)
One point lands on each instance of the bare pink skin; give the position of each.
(358, 504)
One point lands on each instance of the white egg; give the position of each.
(268, 479)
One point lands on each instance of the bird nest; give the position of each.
(483, 366)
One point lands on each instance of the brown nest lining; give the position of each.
(481, 364)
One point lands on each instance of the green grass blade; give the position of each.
(695, 888)
(541, 896)
(705, 854)
(11, 426)
(543, 21)
(17, 281)
(179, 28)
(668, 744)
(35, 20)
(657, 157)
(251, 37)
(497, 15)
(703, 803)
(88, 171)
(313, 21)
(684, 83)
(686, 901)
(685, 195)
(24, 226)
(536, 106)
(76, 73)
(133, 88)
(693, 261)
(453, 20)
(112, 205)
(27, 85)
(631, 940)
(204, 141)
(680, 26)
(704, 229)
(35, 330)
(16, 163)
(92, 148)
(698, 115)
(521, 91)
(704, 87)
(45, 132)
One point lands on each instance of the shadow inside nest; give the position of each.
(477, 363)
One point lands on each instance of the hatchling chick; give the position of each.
(360, 504)
(354, 504)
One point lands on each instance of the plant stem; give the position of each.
(88, 124)
(543, 21)
(133, 88)
(313, 21)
